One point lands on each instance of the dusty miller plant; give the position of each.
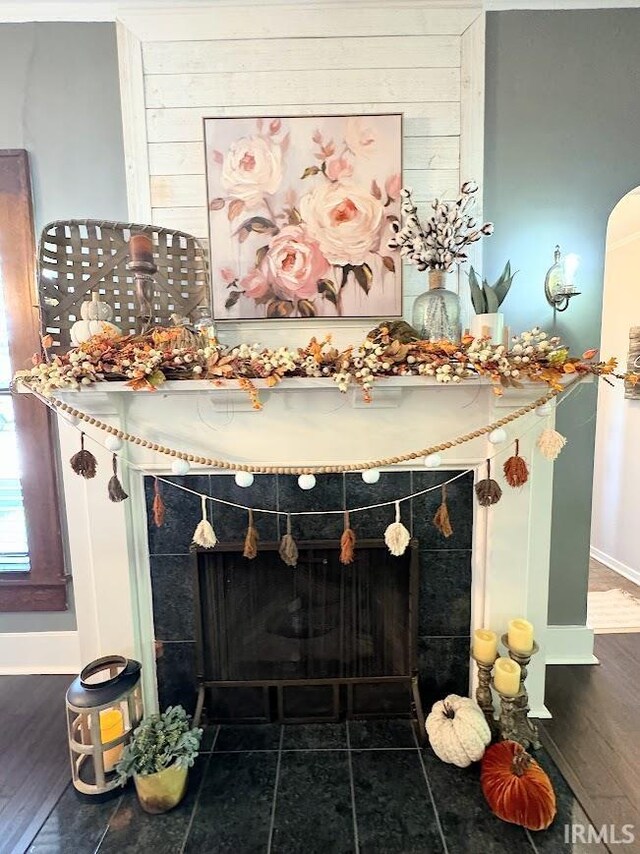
(158, 742)
(439, 242)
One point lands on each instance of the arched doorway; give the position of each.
(614, 583)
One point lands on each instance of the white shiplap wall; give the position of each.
(412, 57)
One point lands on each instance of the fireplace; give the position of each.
(299, 613)
(132, 583)
(319, 641)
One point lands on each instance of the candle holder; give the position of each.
(144, 269)
(508, 726)
(143, 281)
(526, 731)
(484, 698)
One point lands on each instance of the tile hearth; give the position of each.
(348, 787)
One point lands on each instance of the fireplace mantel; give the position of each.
(303, 422)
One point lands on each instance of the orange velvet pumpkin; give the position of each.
(516, 787)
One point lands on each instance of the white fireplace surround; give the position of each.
(303, 422)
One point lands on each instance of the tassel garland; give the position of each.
(114, 489)
(347, 542)
(441, 519)
(84, 463)
(551, 443)
(204, 535)
(488, 491)
(515, 469)
(396, 536)
(288, 547)
(158, 505)
(251, 540)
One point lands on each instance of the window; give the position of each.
(14, 550)
(31, 554)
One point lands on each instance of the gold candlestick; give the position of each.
(526, 731)
(507, 722)
(484, 698)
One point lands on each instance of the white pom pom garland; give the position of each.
(244, 479)
(306, 481)
(180, 467)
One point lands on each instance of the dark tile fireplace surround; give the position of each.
(445, 564)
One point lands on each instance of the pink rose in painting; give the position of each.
(294, 264)
(345, 219)
(255, 284)
(360, 136)
(339, 168)
(252, 168)
(392, 185)
(228, 275)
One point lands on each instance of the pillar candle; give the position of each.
(111, 727)
(485, 645)
(520, 636)
(141, 249)
(506, 677)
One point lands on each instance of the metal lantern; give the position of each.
(104, 706)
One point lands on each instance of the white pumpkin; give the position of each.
(95, 309)
(82, 330)
(458, 730)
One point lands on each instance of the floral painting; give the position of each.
(300, 214)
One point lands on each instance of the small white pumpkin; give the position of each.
(82, 330)
(458, 730)
(95, 309)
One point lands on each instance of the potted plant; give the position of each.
(487, 299)
(158, 757)
(438, 244)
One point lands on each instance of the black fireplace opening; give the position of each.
(319, 641)
(441, 608)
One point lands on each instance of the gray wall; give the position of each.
(562, 146)
(59, 99)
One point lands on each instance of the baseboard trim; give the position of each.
(540, 712)
(570, 645)
(617, 566)
(23, 653)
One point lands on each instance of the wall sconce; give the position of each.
(559, 284)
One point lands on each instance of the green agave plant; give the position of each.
(487, 298)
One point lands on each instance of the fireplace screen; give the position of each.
(264, 626)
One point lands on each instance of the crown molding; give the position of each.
(557, 5)
(21, 11)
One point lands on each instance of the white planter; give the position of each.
(488, 326)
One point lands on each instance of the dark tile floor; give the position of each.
(357, 787)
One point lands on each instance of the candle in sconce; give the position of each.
(520, 636)
(141, 249)
(506, 677)
(485, 645)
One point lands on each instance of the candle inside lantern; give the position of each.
(111, 727)
(506, 677)
(520, 636)
(141, 249)
(485, 645)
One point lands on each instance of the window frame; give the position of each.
(43, 587)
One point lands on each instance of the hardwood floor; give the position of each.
(594, 735)
(34, 763)
(603, 578)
